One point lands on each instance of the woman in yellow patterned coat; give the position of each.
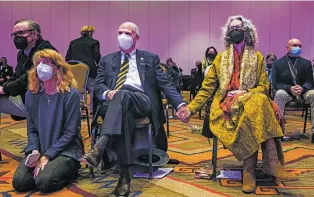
(242, 116)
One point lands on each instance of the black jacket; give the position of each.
(17, 84)
(282, 78)
(86, 50)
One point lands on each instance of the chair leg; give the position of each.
(150, 151)
(167, 120)
(0, 156)
(88, 123)
(214, 158)
(94, 133)
(305, 120)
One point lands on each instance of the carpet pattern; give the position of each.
(191, 149)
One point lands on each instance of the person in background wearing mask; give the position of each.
(197, 78)
(210, 55)
(131, 80)
(53, 126)
(27, 39)
(242, 116)
(87, 50)
(292, 78)
(270, 58)
(6, 71)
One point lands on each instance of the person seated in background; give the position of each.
(87, 50)
(170, 62)
(242, 117)
(131, 80)
(196, 78)
(27, 39)
(210, 55)
(6, 71)
(53, 126)
(270, 58)
(292, 78)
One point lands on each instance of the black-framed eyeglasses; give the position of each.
(13, 35)
(235, 27)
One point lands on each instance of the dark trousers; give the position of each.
(57, 174)
(126, 106)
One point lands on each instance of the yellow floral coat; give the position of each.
(253, 120)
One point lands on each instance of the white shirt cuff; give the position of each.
(104, 95)
(180, 105)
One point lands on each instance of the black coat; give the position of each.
(86, 50)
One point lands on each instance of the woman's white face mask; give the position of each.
(44, 71)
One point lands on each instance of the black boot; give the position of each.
(123, 187)
(93, 157)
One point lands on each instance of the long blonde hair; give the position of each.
(64, 74)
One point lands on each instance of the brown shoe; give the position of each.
(93, 157)
(249, 182)
(278, 171)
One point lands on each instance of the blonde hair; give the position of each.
(64, 74)
(88, 29)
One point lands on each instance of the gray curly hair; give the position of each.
(250, 34)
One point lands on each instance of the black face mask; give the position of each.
(20, 42)
(269, 66)
(211, 55)
(236, 36)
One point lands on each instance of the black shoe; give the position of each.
(123, 187)
(93, 157)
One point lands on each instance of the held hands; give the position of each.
(40, 165)
(296, 90)
(110, 94)
(184, 114)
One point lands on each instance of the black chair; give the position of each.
(141, 124)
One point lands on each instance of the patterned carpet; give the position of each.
(191, 149)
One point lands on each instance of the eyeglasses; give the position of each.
(22, 32)
(235, 27)
(297, 45)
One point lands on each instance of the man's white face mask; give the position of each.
(125, 41)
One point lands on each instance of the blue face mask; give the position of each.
(295, 51)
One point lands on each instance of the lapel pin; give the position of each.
(142, 58)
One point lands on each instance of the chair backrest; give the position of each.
(80, 72)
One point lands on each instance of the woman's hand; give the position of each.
(235, 92)
(40, 165)
(35, 152)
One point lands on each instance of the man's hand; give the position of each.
(235, 92)
(184, 114)
(296, 90)
(40, 165)
(1, 90)
(110, 94)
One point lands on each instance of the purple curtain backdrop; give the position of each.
(181, 30)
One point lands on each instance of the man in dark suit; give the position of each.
(6, 71)
(28, 40)
(131, 80)
(86, 49)
(292, 78)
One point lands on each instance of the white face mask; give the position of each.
(125, 41)
(44, 71)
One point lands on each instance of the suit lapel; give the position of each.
(140, 61)
(116, 63)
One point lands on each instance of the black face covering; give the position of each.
(211, 55)
(20, 42)
(236, 36)
(269, 66)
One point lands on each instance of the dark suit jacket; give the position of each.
(86, 50)
(282, 78)
(152, 77)
(17, 84)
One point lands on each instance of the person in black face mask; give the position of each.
(270, 58)
(28, 39)
(242, 116)
(210, 55)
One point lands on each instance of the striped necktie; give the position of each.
(122, 73)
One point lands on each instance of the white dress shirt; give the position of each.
(132, 77)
